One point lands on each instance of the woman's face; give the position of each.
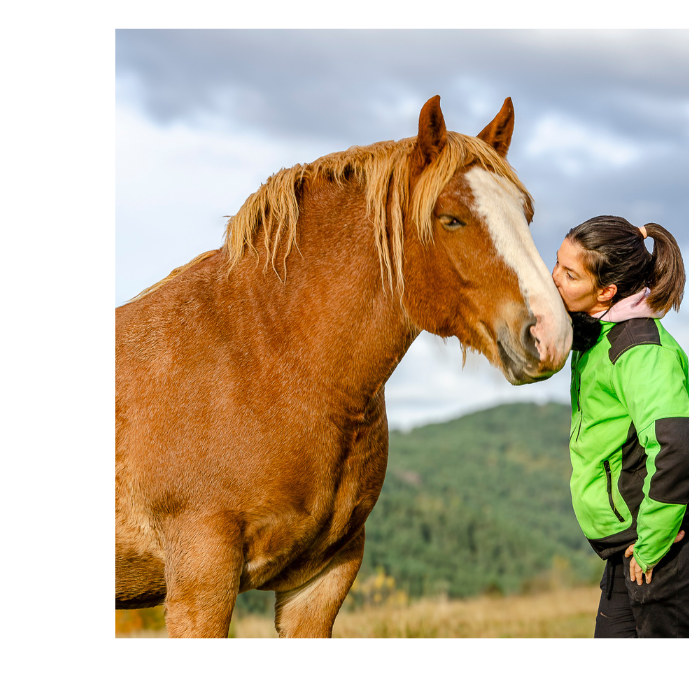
(574, 283)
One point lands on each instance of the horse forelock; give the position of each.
(384, 169)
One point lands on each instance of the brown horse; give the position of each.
(251, 429)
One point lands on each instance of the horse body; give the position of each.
(292, 373)
(252, 434)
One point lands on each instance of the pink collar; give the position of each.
(635, 306)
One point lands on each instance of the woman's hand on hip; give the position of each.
(635, 572)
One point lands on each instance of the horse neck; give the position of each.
(332, 320)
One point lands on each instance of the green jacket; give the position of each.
(629, 440)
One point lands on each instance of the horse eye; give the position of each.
(451, 223)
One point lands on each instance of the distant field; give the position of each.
(568, 613)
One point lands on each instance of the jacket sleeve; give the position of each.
(651, 382)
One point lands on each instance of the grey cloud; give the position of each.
(651, 191)
(328, 82)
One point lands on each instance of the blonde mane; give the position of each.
(383, 168)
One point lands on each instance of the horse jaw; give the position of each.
(500, 204)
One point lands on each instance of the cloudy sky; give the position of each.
(205, 116)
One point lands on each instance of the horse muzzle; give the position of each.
(527, 354)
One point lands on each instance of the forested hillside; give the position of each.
(478, 504)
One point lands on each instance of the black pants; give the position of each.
(660, 609)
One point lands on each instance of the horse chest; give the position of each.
(297, 538)
(356, 483)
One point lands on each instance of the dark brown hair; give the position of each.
(614, 253)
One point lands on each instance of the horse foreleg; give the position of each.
(310, 610)
(202, 569)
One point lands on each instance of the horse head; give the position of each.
(471, 268)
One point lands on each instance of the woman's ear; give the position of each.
(607, 293)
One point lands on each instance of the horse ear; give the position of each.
(498, 133)
(432, 134)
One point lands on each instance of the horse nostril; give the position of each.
(529, 342)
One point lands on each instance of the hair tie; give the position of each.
(643, 232)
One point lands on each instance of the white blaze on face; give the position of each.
(501, 205)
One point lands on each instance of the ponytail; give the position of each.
(667, 277)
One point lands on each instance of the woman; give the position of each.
(629, 440)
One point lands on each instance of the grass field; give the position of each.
(566, 613)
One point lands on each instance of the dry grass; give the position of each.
(561, 614)
(143, 634)
(568, 613)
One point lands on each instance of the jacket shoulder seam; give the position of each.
(633, 333)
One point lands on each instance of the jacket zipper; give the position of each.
(577, 376)
(608, 475)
